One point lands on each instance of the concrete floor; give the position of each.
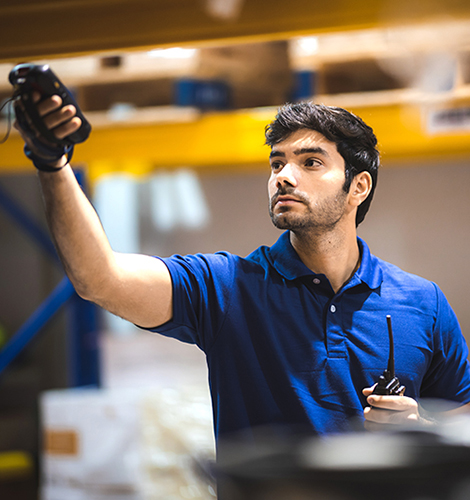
(143, 359)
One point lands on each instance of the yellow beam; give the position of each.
(236, 140)
(213, 140)
(403, 135)
(32, 29)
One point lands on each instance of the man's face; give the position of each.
(306, 183)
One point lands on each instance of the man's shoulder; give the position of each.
(397, 276)
(219, 261)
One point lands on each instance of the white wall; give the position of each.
(419, 220)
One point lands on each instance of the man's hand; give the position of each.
(386, 411)
(55, 116)
(62, 120)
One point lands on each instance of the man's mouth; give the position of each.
(285, 200)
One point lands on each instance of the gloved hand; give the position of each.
(47, 116)
(43, 153)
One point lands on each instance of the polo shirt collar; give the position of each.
(285, 259)
(370, 270)
(288, 264)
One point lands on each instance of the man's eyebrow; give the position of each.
(317, 150)
(298, 152)
(273, 154)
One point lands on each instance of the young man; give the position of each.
(295, 334)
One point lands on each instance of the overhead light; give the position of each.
(172, 53)
(224, 9)
(307, 45)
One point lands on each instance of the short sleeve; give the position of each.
(448, 376)
(202, 287)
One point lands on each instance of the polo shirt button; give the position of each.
(333, 308)
(316, 281)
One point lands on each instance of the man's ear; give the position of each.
(361, 187)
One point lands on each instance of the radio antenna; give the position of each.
(391, 356)
(388, 384)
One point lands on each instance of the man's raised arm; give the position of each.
(134, 287)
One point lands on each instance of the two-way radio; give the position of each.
(388, 384)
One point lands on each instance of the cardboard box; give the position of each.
(127, 444)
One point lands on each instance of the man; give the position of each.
(295, 335)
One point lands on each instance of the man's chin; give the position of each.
(287, 221)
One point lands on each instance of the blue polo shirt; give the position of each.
(283, 349)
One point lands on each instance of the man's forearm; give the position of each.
(77, 232)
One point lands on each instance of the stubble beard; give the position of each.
(320, 217)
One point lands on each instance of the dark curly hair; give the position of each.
(355, 141)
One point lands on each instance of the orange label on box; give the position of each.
(61, 442)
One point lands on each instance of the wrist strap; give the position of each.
(42, 163)
(43, 153)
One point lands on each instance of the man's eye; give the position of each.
(276, 165)
(312, 162)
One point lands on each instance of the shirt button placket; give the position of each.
(334, 332)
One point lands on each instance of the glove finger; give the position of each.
(23, 121)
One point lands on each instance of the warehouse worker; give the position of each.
(296, 334)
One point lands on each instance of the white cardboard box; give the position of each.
(126, 444)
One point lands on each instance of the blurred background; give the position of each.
(178, 95)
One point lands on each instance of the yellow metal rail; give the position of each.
(236, 140)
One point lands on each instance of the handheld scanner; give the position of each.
(29, 78)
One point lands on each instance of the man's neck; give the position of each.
(334, 254)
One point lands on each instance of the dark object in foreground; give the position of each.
(407, 465)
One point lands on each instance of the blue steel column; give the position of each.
(83, 343)
(84, 359)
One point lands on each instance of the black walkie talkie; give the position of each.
(388, 384)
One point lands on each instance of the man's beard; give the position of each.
(324, 215)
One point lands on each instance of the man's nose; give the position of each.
(287, 175)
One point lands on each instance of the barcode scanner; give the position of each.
(29, 78)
